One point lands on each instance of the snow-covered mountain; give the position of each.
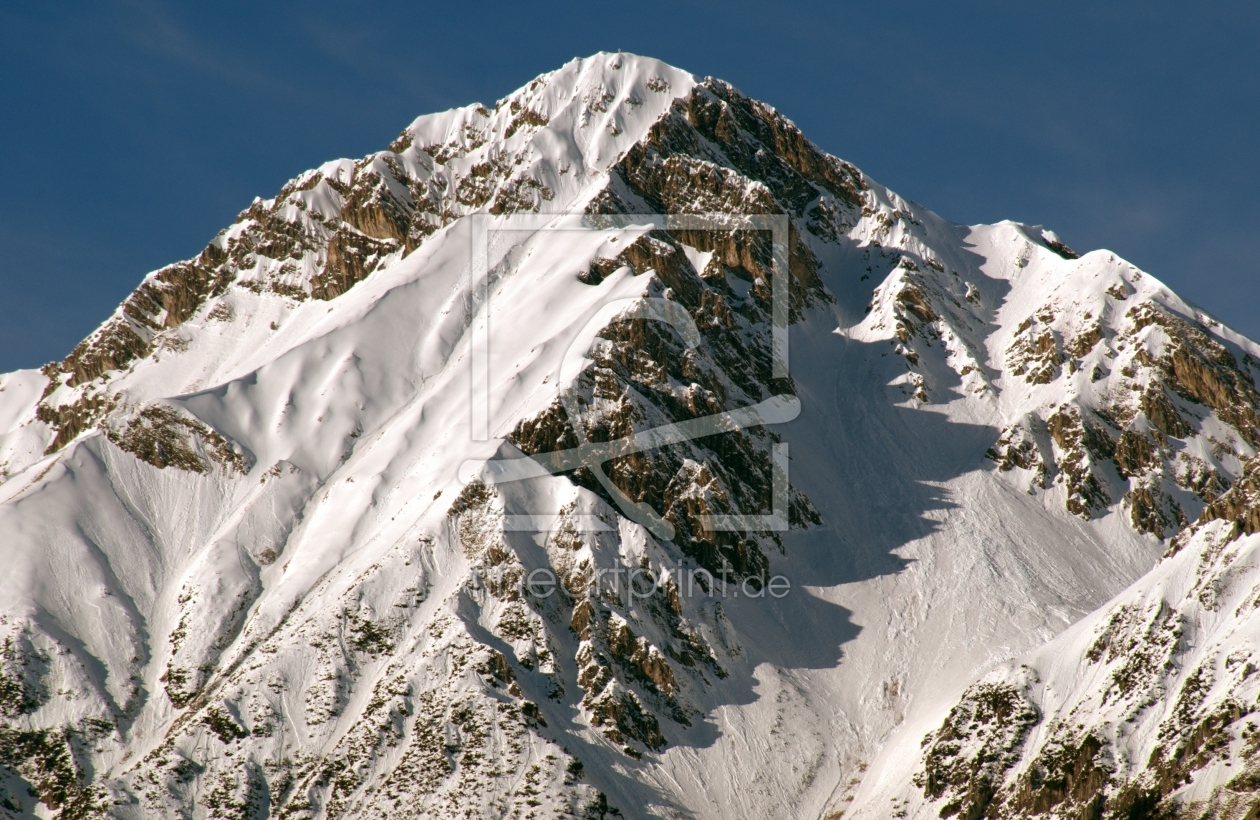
(278, 537)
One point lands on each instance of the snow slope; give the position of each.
(253, 567)
(1145, 708)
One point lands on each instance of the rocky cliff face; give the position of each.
(258, 568)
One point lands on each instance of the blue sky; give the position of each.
(131, 132)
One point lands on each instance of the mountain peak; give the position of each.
(329, 520)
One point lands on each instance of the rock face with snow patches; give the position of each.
(999, 512)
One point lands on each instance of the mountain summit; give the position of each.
(615, 452)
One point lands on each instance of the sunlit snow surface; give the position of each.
(930, 568)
